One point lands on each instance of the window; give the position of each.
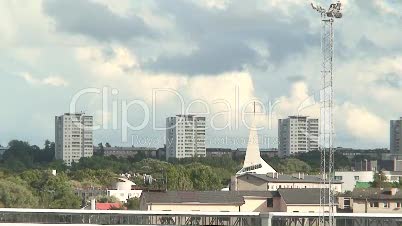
(373, 204)
(386, 205)
(398, 205)
(338, 178)
(270, 202)
(357, 178)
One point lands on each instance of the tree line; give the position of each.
(26, 179)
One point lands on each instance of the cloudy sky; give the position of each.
(216, 56)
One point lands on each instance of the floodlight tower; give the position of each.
(327, 199)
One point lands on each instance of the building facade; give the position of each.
(275, 181)
(282, 200)
(349, 179)
(395, 136)
(297, 134)
(372, 200)
(73, 137)
(185, 136)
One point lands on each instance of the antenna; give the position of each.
(327, 199)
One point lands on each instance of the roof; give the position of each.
(362, 184)
(375, 193)
(107, 206)
(303, 196)
(203, 197)
(287, 178)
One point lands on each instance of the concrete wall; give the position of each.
(259, 204)
(123, 195)
(251, 183)
(359, 206)
(191, 207)
(349, 181)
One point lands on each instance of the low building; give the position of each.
(283, 200)
(123, 190)
(301, 200)
(349, 179)
(275, 181)
(392, 176)
(351, 153)
(218, 152)
(127, 152)
(192, 201)
(372, 200)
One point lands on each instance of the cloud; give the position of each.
(225, 40)
(56, 81)
(94, 20)
(363, 124)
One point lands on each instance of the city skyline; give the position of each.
(261, 50)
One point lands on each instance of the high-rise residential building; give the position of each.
(297, 134)
(395, 136)
(73, 137)
(185, 136)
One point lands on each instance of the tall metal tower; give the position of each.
(327, 199)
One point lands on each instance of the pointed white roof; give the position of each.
(253, 163)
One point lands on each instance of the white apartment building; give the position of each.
(297, 134)
(73, 137)
(395, 136)
(185, 136)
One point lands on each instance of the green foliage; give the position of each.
(379, 181)
(94, 178)
(21, 155)
(15, 194)
(53, 191)
(293, 165)
(133, 204)
(107, 199)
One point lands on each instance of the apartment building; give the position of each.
(185, 136)
(297, 134)
(395, 136)
(73, 137)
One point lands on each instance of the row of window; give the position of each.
(384, 204)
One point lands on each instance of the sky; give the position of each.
(131, 64)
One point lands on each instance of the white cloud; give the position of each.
(363, 124)
(50, 80)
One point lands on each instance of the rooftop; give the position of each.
(206, 197)
(276, 177)
(376, 193)
(306, 196)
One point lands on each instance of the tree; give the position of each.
(101, 151)
(293, 165)
(14, 194)
(108, 145)
(19, 155)
(203, 177)
(133, 204)
(53, 191)
(107, 199)
(380, 181)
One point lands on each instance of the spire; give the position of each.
(253, 163)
